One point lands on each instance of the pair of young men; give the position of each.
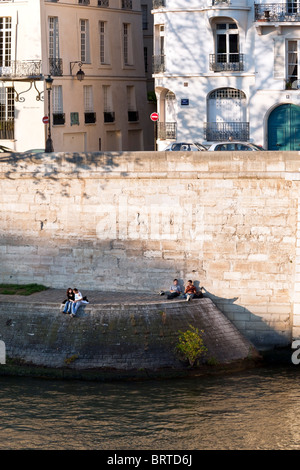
(74, 299)
(189, 292)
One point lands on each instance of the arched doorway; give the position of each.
(284, 128)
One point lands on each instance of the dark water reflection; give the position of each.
(257, 409)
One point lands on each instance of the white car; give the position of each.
(185, 146)
(230, 146)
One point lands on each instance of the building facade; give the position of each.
(227, 69)
(94, 52)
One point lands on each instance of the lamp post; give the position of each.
(49, 143)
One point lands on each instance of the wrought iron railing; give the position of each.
(127, 4)
(7, 130)
(158, 64)
(133, 116)
(89, 118)
(21, 69)
(231, 62)
(159, 3)
(55, 67)
(218, 131)
(109, 116)
(166, 130)
(277, 12)
(103, 3)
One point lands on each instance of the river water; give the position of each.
(254, 409)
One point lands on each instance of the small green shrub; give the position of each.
(191, 345)
(21, 289)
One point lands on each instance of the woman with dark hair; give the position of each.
(69, 302)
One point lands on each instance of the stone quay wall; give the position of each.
(127, 336)
(134, 221)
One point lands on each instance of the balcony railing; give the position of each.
(159, 3)
(7, 130)
(21, 69)
(109, 116)
(166, 130)
(55, 67)
(276, 12)
(133, 116)
(232, 62)
(217, 131)
(126, 4)
(158, 64)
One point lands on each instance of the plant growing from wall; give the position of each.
(191, 345)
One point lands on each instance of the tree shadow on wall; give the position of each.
(262, 335)
(50, 165)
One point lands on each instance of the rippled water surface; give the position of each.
(257, 409)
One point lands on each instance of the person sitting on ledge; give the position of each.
(175, 290)
(69, 302)
(190, 290)
(77, 302)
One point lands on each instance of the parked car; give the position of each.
(35, 151)
(185, 146)
(229, 146)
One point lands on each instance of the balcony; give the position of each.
(158, 64)
(22, 70)
(218, 131)
(109, 116)
(277, 12)
(126, 4)
(89, 118)
(159, 4)
(133, 116)
(55, 67)
(166, 130)
(232, 62)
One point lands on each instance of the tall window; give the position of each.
(7, 111)
(109, 115)
(104, 59)
(84, 41)
(89, 115)
(293, 51)
(227, 42)
(53, 38)
(5, 41)
(145, 16)
(57, 105)
(127, 53)
(55, 63)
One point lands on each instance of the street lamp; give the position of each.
(80, 74)
(49, 143)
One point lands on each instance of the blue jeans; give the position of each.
(68, 306)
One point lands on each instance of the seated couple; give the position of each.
(73, 302)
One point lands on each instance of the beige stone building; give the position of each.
(103, 107)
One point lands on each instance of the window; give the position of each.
(104, 59)
(55, 63)
(145, 16)
(133, 115)
(227, 56)
(89, 115)
(7, 111)
(293, 49)
(84, 41)
(5, 41)
(109, 115)
(127, 49)
(57, 105)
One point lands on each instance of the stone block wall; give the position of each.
(135, 221)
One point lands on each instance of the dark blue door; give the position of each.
(284, 128)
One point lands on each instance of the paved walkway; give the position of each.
(95, 297)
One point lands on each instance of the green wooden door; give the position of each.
(284, 128)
